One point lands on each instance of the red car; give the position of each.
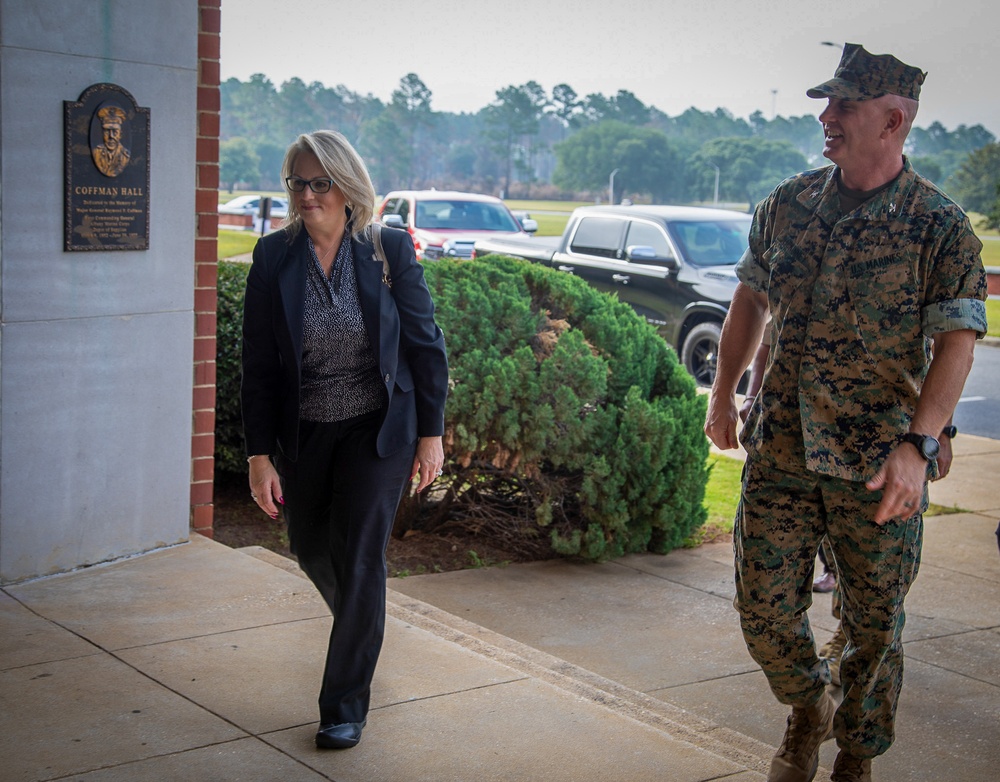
(446, 224)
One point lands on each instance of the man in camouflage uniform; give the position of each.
(875, 286)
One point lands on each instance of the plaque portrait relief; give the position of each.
(111, 155)
(107, 171)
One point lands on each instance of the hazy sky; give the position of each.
(742, 55)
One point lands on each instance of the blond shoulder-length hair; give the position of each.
(340, 162)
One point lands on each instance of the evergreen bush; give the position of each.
(230, 455)
(567, 412)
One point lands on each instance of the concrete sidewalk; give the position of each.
(200, 662)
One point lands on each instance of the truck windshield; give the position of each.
(712, 243)
(463, 216)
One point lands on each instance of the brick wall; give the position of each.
(205, 267)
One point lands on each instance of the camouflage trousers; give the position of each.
(780, 523)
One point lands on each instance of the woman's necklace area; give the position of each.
(327, 254)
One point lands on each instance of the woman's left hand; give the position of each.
(428, 461)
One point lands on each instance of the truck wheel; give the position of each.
(700, 351)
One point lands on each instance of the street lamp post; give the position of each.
(611, 186)
(715, 200)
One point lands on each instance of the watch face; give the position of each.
(927, 446)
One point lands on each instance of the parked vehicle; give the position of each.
(250, 205)
(446, 223)
(524, 218)
(675, 265)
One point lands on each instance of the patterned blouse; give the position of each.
(340, 378)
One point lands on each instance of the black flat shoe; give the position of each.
(342, 736)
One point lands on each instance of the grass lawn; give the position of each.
(551, 216)
(235, 242)
(550, 224)
(991, 251)
(722, 495)
(979, 225)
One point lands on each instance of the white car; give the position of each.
(250, 205)
(446, 223)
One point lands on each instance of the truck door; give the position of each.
(649, 282)
(595, 251)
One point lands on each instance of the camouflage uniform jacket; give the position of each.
(854, 299)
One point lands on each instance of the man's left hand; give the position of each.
(944, 458)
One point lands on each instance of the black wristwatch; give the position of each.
(949, 431)
(927, 446)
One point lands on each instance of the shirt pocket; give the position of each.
(789, 269)
(886, 302)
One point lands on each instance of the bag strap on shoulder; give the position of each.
(380, 253)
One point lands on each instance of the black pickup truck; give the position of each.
(673, 264)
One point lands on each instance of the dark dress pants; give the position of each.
(340, 499)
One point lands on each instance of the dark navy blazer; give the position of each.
(408, 345)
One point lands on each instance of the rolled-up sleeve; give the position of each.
(750, 269)
(751, 273)
(957, 287)
(954, 315)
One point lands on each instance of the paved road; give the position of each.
(978, 411)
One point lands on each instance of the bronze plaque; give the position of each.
(107, 171)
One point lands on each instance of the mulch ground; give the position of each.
(239, 522)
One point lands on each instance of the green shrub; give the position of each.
(230, 456)
(567, 412)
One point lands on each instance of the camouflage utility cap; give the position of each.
(863, 76)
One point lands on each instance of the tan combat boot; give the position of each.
(848, 768)
(832, 651)
(798, 755)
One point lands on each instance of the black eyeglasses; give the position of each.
(320, 185)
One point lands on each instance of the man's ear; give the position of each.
(893, 122)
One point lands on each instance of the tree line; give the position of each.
(528, 143)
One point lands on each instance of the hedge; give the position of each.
(230, 451)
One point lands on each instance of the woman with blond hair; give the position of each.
(344, 384)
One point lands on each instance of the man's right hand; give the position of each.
(741, 333)
(720, 422)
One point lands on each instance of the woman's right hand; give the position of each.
(265, 488)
